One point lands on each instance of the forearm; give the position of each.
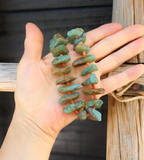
(25, 141)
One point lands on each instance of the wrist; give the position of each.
(25, 140)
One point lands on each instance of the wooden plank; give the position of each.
(8, 72)
(48, 4)
(139, 19)
(125, 126)
(12, 27)
(129, 12)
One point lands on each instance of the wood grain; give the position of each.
(12, 27)
(125, 126)
(129, 12)
(139, 19)
(8, 72)
(17, 5)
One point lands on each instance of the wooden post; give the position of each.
(125, 126)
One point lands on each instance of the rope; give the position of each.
(118, 96)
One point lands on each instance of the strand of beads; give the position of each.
(59, 50)
(77, 37)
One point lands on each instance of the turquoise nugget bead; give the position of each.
(57, 42)
(67, 98)
(74, 106)
(94, 103)
(82, 115)
(80, 48)
(61, 59)
(50, 41)
(70, 88)
(94, 114)
(86, 83)
(89, 69)
(83, 60)
(82, 38)
(61, 49)
(55, 37)
(74, 33)
(65, 80)
(93, 79)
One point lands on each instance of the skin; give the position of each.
(38, 117)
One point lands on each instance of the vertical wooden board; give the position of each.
(129, 115)
(141, 129)
(123, 11)
(128, 120)
(113, 141)
(139, 11)
(125, 128)
(139, 19)
(129, 12)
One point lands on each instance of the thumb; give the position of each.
(33, 43)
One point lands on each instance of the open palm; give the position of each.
(36, 93)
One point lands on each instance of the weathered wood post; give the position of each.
(125, 126)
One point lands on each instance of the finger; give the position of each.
(33, 43)
(101, 32)
(113, 42)
(116, 81)
(116, 59)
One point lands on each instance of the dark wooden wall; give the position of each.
(80, 140)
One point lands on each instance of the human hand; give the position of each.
(36, 95)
